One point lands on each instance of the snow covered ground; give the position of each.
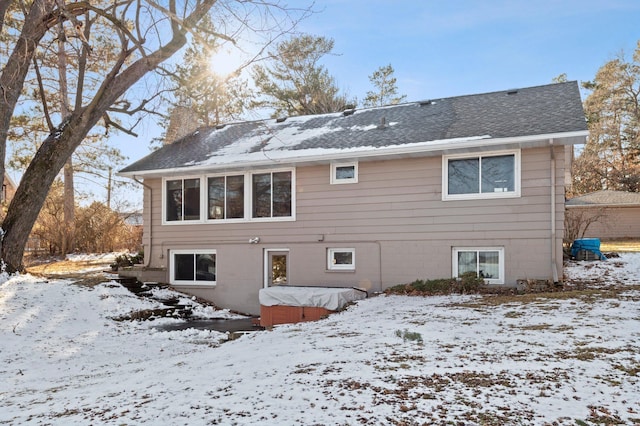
(563, 359)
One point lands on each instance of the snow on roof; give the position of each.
(447, 124)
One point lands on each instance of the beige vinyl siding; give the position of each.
(395, 219)
(617, 223)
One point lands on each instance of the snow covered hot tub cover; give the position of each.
(330, 298)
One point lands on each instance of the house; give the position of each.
(368, 198)
(8, 189)
(608, 215)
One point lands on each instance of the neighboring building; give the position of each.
(368, 198)
(612, 215)
(8, 189)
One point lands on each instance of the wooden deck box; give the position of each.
(278, 314)
(289, 304)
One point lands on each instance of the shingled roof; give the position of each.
(606, 198)
(496, 120)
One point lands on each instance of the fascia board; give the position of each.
(418, 149)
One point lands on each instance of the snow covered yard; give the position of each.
(561, 358)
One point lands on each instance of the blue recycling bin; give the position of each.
(590, 245)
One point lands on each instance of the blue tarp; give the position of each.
(588, 244)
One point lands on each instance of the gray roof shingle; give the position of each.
(606, 198)
(540, 110)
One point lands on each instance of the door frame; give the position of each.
(266, 270)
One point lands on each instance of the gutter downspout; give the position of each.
(554, 265)
(146, 264)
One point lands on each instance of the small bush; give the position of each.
(468, 282)
(409, 335)
(125, 260)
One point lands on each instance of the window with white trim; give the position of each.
(486, 262)
(272, 194)
(341, 259)
(226, 197)
(249, 196)
(182, 199)
(488, 175)
(344, 173)
(192, 267)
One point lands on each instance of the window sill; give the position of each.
(194, 285)
(485, 196)
(222, 221)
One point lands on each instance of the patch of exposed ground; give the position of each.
(83, 272)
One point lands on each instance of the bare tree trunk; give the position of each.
(16, 68)
(68, 241)
(56, 149)
(68, 234)
(109, 188)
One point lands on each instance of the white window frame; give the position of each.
(334, 170)
(164, 201)
(482, 195)
(330, 257)
(249, 181)
(192, 283)
(500, 250)
(248, 198)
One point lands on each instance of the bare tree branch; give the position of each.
(43, 98)
(108, 122)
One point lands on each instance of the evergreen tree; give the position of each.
(296, 83)
(560, 78)
(386, 89)
(611, 156)
(213, 98)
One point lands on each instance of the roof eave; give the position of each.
(601, 205)
(418, 149)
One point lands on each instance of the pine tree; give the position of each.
(212, 97)
(611, 156)
(386, 89)
(296, 83)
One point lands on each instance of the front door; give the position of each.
(276, 267)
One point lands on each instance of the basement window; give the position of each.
(192, 267)
(486, 262)
(341, 259)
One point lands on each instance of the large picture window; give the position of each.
(272, 194)
(182, 199)
(193, 267)
(487, 263)
(492, 175)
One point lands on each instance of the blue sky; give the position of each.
(457, 47)
(444, 48)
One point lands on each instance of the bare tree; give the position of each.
(578, 220)
(36, 23)
(148, 33)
